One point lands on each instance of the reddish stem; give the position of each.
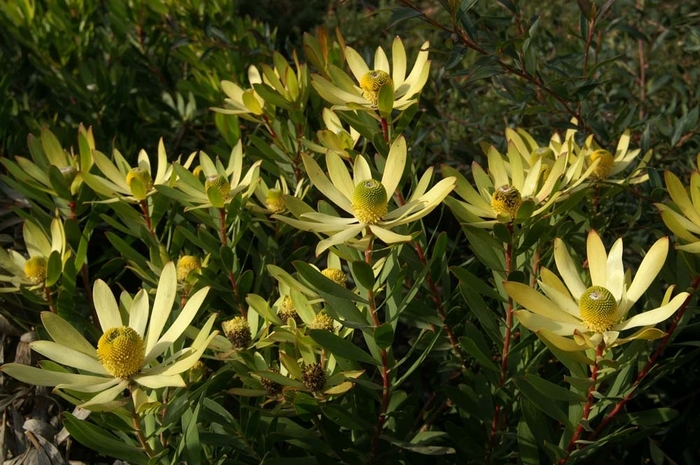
(587, 408)
(506, 350)
(385, 130)
(147, 217)
(386, 387)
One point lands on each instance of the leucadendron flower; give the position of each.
(512, 181)
(132, 353)
(362, 93)
(32, 271)
(278, 86)
(574, 314)
(683, 219)
(605, 166)
(221, 183)
(366, 199)
(120, 181)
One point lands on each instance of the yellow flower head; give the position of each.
(287, 310)
(323, 321)
(506, 200)
(335, 275)
(237, 331)
(35, 269)
(366, 199)
(135, 354)
(605, 165)
(345, 95)
(372, 82)
(187, 264)
(121, 351)
(574, 316)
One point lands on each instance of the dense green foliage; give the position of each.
(424, 355)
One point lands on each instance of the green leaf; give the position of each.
(552, 390)
(59, 183)
(363, 274)
(341, 347)
(649, 417)
(190, 427)
(262, 308)
(54, 267)
(482, 359)
(345, 418)
(321, 283)
(384, 336)
(102, 441)
(527, 445)
(542, 402)
(385, 101)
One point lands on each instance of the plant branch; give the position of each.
(587, 407)
(386, 386)
(506, 350)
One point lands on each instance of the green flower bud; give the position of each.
(144, 178)
(218, 182)
(274, 201)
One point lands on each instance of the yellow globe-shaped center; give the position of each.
(372, 82)
(35, 269)
(506, 200)
(121, 351)
(185, 264)
(335, 275)
(598, 309)
(369, 201)
(605, 165)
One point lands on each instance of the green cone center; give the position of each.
(598, 309)
(369, 201)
